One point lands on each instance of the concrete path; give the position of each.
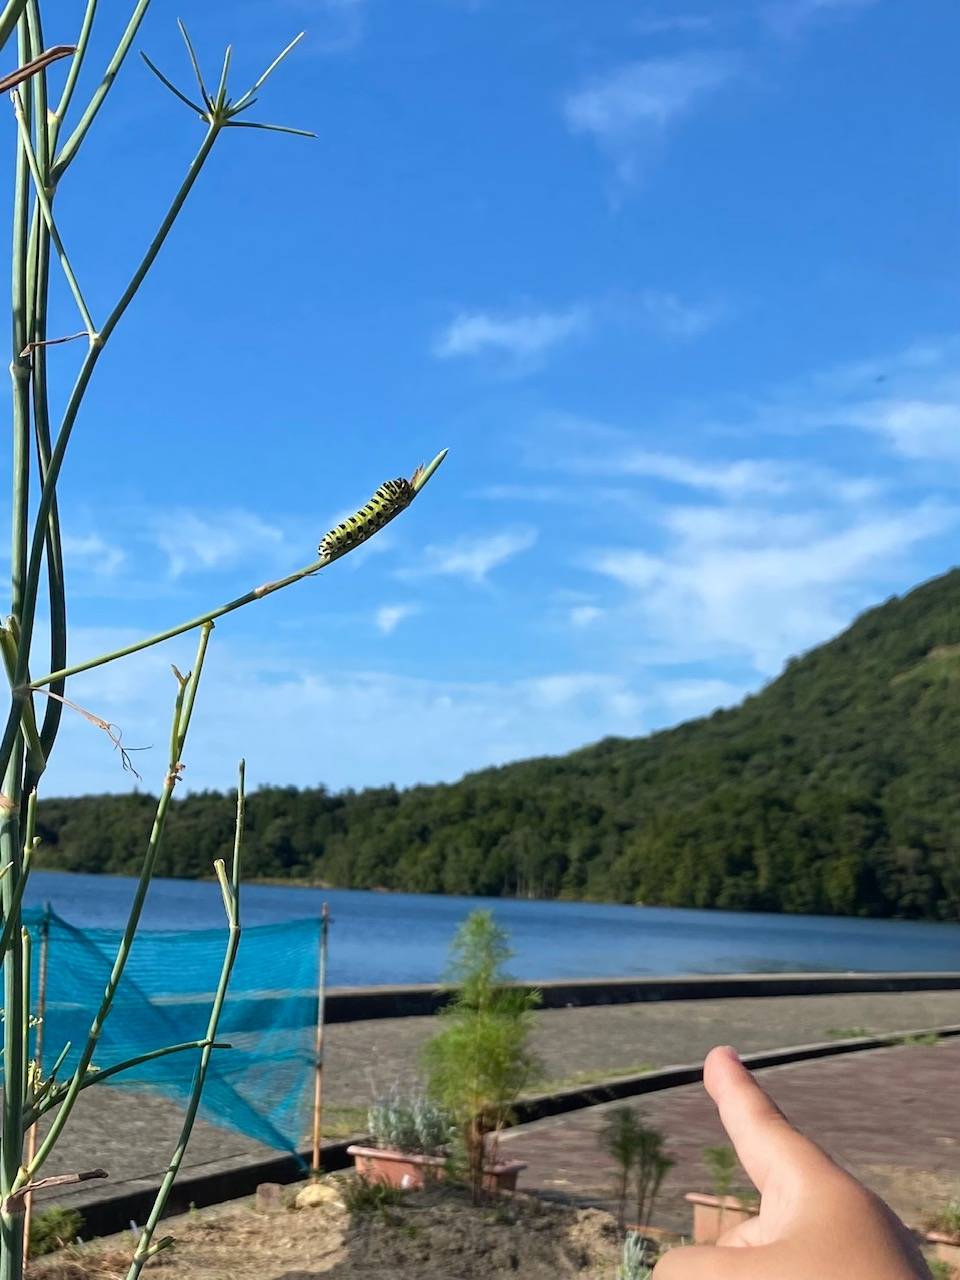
(892, 1116)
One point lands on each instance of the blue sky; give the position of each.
(676, 285)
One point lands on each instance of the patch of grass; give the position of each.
(344, 1122)
(924, 1037)
(52, 1229)
(847, 1033)
(945, 1219)
(941, 1270)
(364, 1195)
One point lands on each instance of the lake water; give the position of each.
(398, 938)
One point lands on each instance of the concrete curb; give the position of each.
(361, 1004)
(107, 1216)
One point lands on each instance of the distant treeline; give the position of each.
(833, 790)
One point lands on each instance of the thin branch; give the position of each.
(47, 211)
(71, 82)
(258, 593)
(72, 144)
(272, 128)
(52, 342)
(173, 88)
(9, 19)
(174, 768)
(191, 53)
(245, 98)
(231, 897)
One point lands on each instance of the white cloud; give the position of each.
(92, 552)
(762, 584)
(523, 336)
(917, 428)
(790, 17)
(474, 558)
(637, 101)
(194, 542)
(678, 319)
(654, 24)
(299, 723)
(582, 615)
(389, 616)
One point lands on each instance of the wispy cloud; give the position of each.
(761, 584)
(791, 17)
(655, 24)
(916, 428)
(193, 542)
(671, 315)
(524, 336)
(635, 103)
(474, 558)
(93, 552)
(389, 616)
(582, 615)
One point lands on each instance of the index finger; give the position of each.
(763, 1137)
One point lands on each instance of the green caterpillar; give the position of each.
(391, 498)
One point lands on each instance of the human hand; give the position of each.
(816, 1222)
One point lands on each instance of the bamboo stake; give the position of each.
(316, 1163)
(38, 1059)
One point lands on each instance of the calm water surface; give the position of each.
(388, 938)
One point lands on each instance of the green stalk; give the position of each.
(258, 593)
(72, 145)
(97, 1077)
(231, 898)
(9, 19)
(46, 209)
(183, 708)
(76, 63)
(11, 908)
(20, 367)
(14, 1065)
(48, 492)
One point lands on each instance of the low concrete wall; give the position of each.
(359, 1004)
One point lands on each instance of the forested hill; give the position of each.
(835, 789)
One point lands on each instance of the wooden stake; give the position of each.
(316, 1163)
(38, 1058)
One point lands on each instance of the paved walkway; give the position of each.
(131, 1133)
(892, 1116)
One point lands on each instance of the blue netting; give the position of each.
(261, 1086)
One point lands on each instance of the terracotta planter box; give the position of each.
(413, 1172)
(946, 1248)
(713, 1215)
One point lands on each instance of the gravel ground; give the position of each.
(132, 1133)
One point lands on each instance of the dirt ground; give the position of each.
(428, 1236)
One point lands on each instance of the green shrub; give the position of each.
(410, 1123)
(633, 1260)
(941, 1270)
(722, 1164)
(52, 1229)
(479, 1061)
(637, 1148)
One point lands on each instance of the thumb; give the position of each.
(763, 1137)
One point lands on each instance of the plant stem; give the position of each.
(183, 708)
(97, 1077)
(231, 893)
(71, 146)
(258, 593)
(47, 211)
(48, 491)
(14, 1067)
(20, 367)
(9, 19)
(75, 64)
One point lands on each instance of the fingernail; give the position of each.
(730, 1052)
